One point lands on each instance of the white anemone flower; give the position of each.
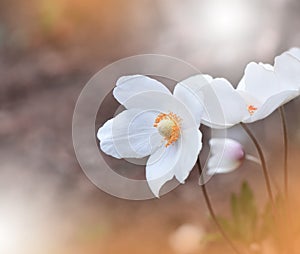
(226, 156)
(265, 87)
(155, 123)
(260, 92)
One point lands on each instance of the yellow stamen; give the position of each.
(251, 109)
(168, 126)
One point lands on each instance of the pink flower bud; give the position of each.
(226, 155)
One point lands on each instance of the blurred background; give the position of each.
(49, 49)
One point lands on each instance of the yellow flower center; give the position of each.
(251, 109)
(168, 126)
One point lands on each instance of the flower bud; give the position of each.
(226, 155)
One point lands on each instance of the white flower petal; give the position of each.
(259, 81)
(222, 170)
(287, 67)
(214, 161)
(160, 167)
(267, 88)
(178, 159)
(295, 52)
(104, 134)
(191, 145)
(129, 134)
(157, 101)
(271, 104)
(224, 107)
(250, 99)
(222, 104)
(267, 66)
(128, 86)
(186, 92)
(241, 86)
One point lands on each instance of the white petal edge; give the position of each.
(129, 134)
(287, 68)
(260, 81)
(160, 167)
(295, 52)
(271, 104)
(186, 92)
(224, 107)
(128, 86)
(191, 141)
(104, 135)
(220, 170)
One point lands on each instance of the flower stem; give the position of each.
(286, 176)
(285, 142)
(211, 211)
(252, 158)
(263, 163)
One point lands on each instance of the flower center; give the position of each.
(168, 126)
(251, 109)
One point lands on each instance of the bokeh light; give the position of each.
(228, 20)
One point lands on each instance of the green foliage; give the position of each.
(246, 224)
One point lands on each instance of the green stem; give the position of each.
(211, 211)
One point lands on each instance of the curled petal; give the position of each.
(260, 81)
